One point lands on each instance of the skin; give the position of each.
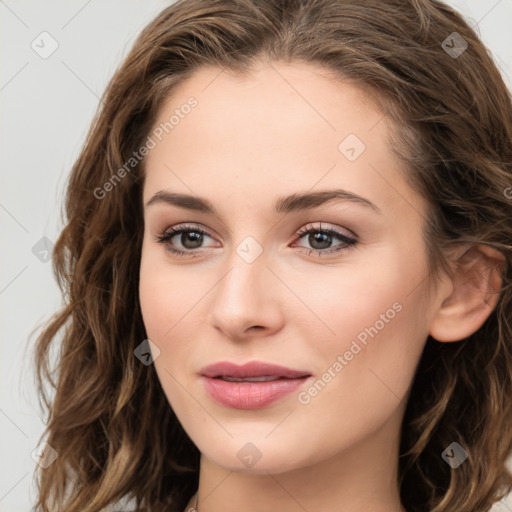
(248, 141)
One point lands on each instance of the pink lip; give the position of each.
(250, 395)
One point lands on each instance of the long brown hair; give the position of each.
(108, 419)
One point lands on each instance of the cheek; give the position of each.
(166, 292)
(373, 316)
(166, 297)
(151, 295)
(351, 298)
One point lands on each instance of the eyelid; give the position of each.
(327, 228)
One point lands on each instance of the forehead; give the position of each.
(274, 101)
(283, 124)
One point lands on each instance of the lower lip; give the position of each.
(250, 395)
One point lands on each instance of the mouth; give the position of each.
(250, 371)
(251, 386)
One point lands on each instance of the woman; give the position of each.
(287, 267)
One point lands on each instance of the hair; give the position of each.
(452, 130)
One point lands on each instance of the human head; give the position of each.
(446, 135)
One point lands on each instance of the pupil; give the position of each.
(319, 237)
(196, 238)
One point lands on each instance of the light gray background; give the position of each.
(46, 106)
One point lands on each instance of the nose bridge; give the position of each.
(242, 298)
(248, 270)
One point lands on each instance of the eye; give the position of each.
(191, 239)
(321, 240)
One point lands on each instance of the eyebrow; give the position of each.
(286, 204)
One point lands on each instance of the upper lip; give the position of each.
(251, 369)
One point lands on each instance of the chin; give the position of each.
(258, 458)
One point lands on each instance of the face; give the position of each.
(334, 289)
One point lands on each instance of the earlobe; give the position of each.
(476, 282)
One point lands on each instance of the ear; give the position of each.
(475, 286)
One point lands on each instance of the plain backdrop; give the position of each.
(46, 105)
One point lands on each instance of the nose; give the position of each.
(246, 301)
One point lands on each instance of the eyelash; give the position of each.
(169, 233)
